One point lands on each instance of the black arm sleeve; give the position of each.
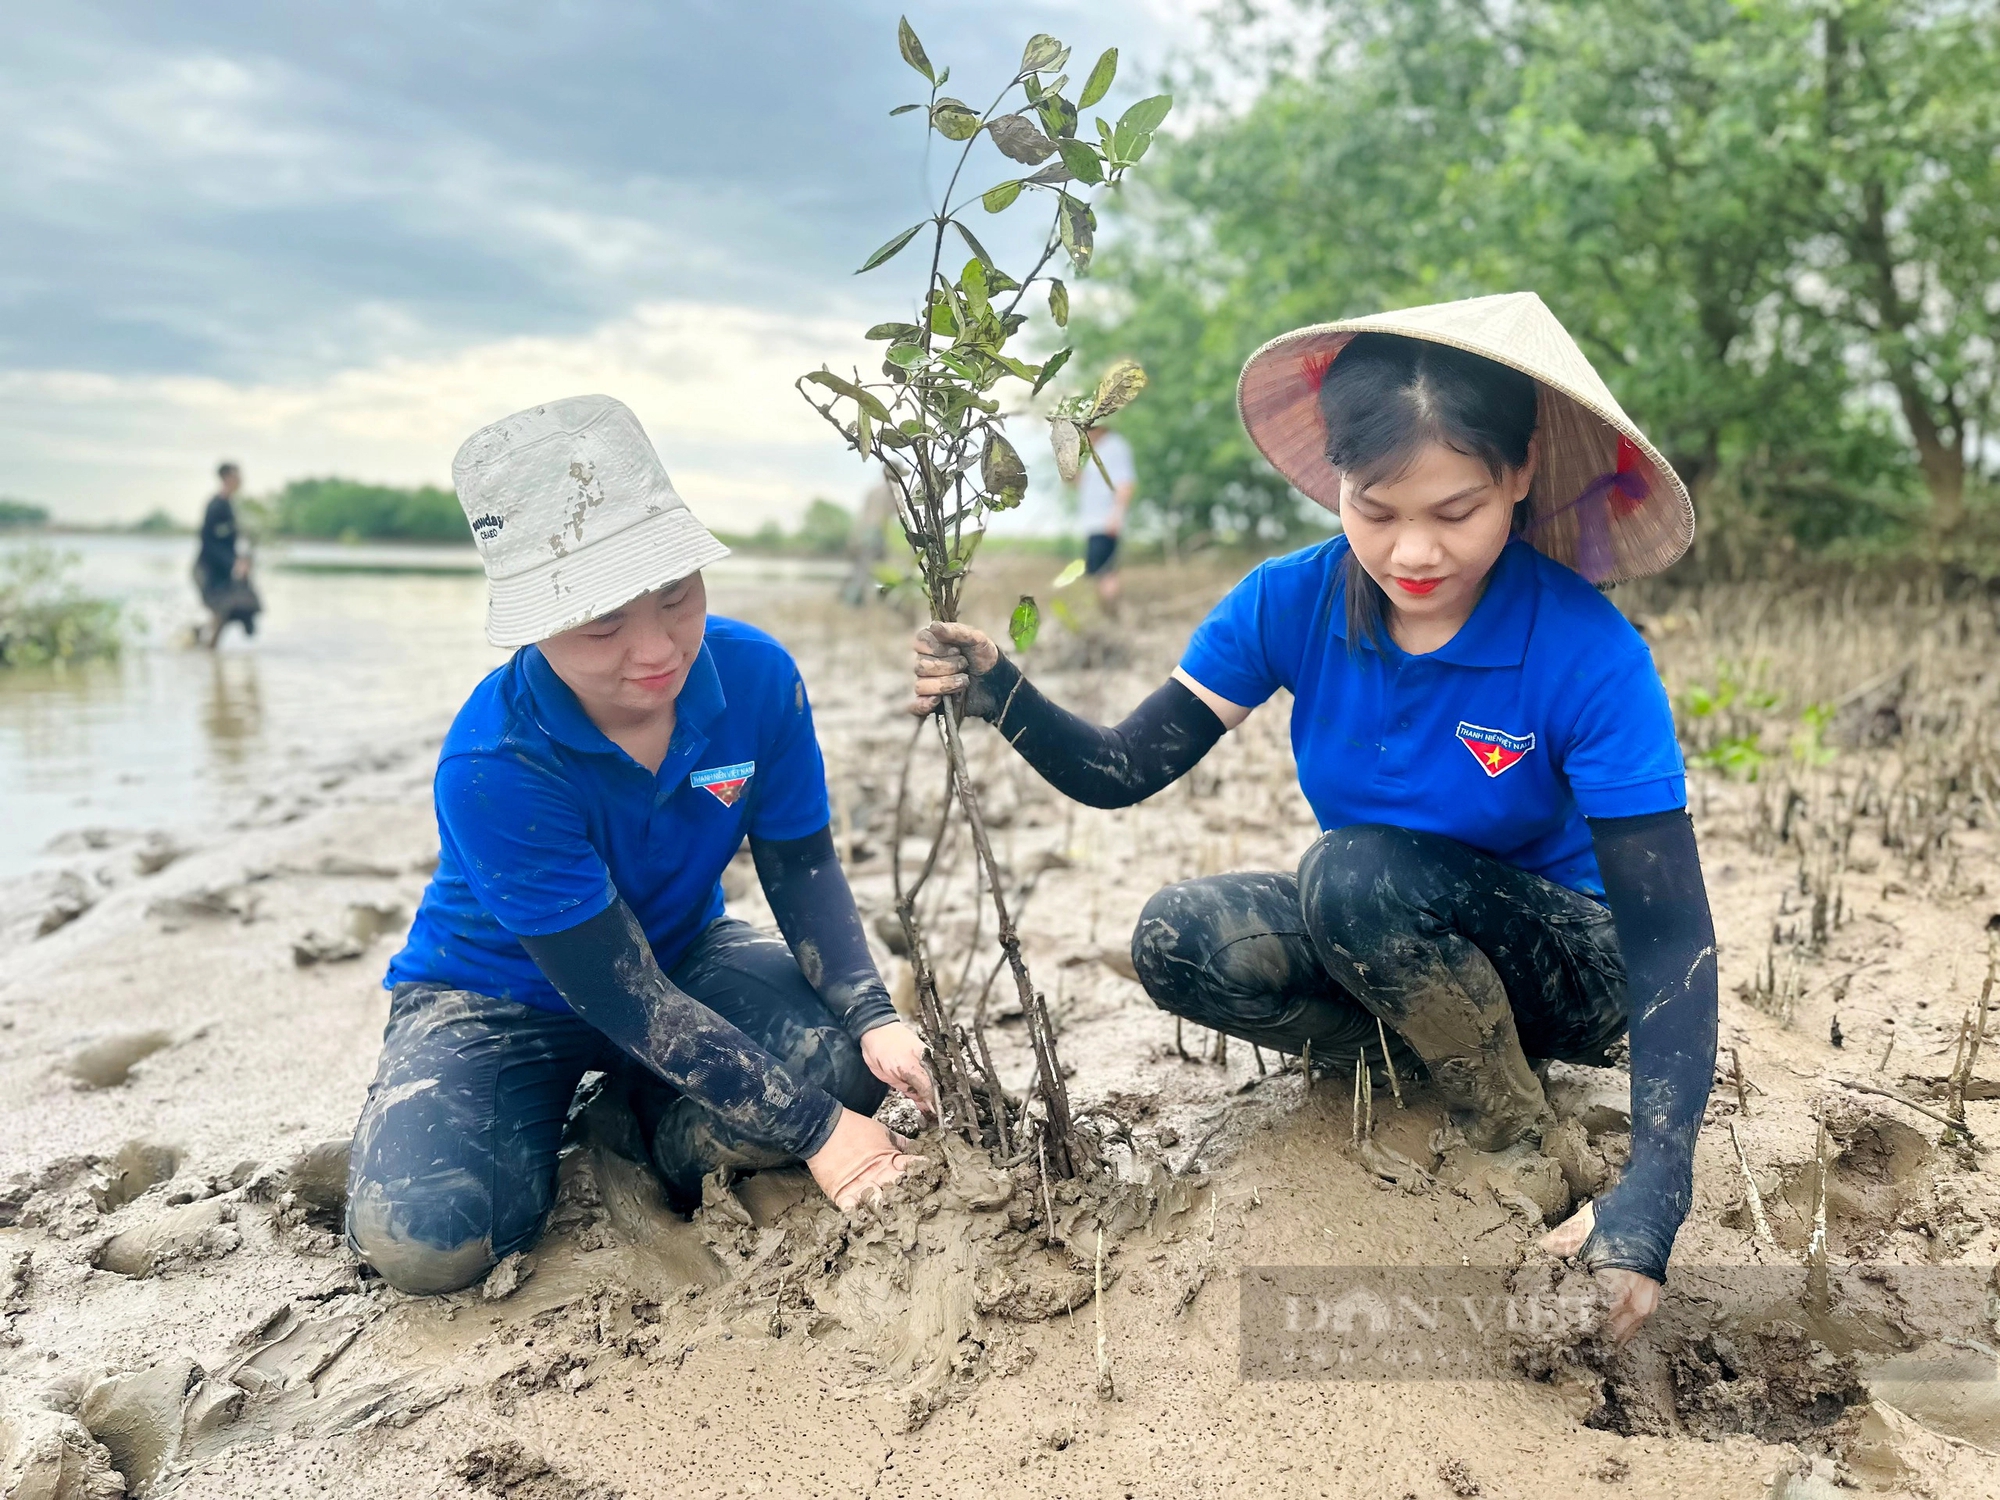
(1156, 745)
(605, 969)
(808, 893)
(1653, 885)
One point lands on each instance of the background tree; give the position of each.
(1688, 183)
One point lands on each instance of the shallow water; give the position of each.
(344, 661)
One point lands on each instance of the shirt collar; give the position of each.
(700, 704)
(1496, 634)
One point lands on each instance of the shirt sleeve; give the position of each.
(1118, 462)
(517, 834)
(1242, 650)
(791, 796)
(1621, 759)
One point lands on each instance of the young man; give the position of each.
(1101, 508)
(588, 796)
(221, 566)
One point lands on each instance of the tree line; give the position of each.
(1774, 227)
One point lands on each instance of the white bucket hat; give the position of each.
(1604, 501)
(574, 516)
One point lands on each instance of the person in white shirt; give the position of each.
(1101, 508)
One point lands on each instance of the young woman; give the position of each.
(1507, 871)
(589, 795)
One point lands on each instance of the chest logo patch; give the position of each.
(725, 783)
(1495, 751)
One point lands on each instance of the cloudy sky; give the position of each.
(333, 238)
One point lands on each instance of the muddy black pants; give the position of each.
(454, 1161)
(1434, 938)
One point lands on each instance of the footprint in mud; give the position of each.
(138, 1166)
(109, 1063)
(1880, 1169)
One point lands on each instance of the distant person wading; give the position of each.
(1105, 486)
(1506, 871)
(589, 795)
(222, 563)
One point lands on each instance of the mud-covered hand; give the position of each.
(954, 659)
(1631, 1296)
(859, 1158)
(895, 1054)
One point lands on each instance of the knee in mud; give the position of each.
(1349, 875)
(1161, 943)
(408, 1243)
(830, 1058)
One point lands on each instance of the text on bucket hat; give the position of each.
(573, 516)
(1604, 501)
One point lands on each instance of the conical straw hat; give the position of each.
(1604, 501)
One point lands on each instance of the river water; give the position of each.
(358, 649)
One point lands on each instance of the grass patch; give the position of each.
(45, 617)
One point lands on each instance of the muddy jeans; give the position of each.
(1457, 953)
(454, 1161)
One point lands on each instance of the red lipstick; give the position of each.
(1418, 585)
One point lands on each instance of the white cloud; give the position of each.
(713, 384)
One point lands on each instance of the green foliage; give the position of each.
(19, 513)
(1025, 623)
(933, 413)
(1775, 229)
(45, 618)
(158, 522)
(347, 510)
(826, 528)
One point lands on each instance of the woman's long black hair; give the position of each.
(1385, 399)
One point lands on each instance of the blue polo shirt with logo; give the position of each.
(1545, 709)
(543, 822)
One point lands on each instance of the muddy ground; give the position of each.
(186, 1034)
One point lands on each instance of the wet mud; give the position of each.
(179, 1314)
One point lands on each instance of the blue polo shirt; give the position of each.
(1545, 709)
(543, 822)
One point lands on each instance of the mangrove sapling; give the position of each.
(933, 422)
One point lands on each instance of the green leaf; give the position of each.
(972, 286)
(1075, 223)
(1117, 390)
(866, 400)
(1068, 575)
(1098, 84)
(1055, 362)
(903, 109)
(1058, 115)
(913, 50)
(891, 250)
(863, 438)
(1042, 53)
(1145, 117)
(1025, 623)
(1014, 367)
(1053, 175)
(906, 356)
(1019, 140)
(998, 281)
(954, 120)
(893, 331)
(1000, 196)
(1081, 161)
(972, 242)
(1002, 472)
(1058, 304)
